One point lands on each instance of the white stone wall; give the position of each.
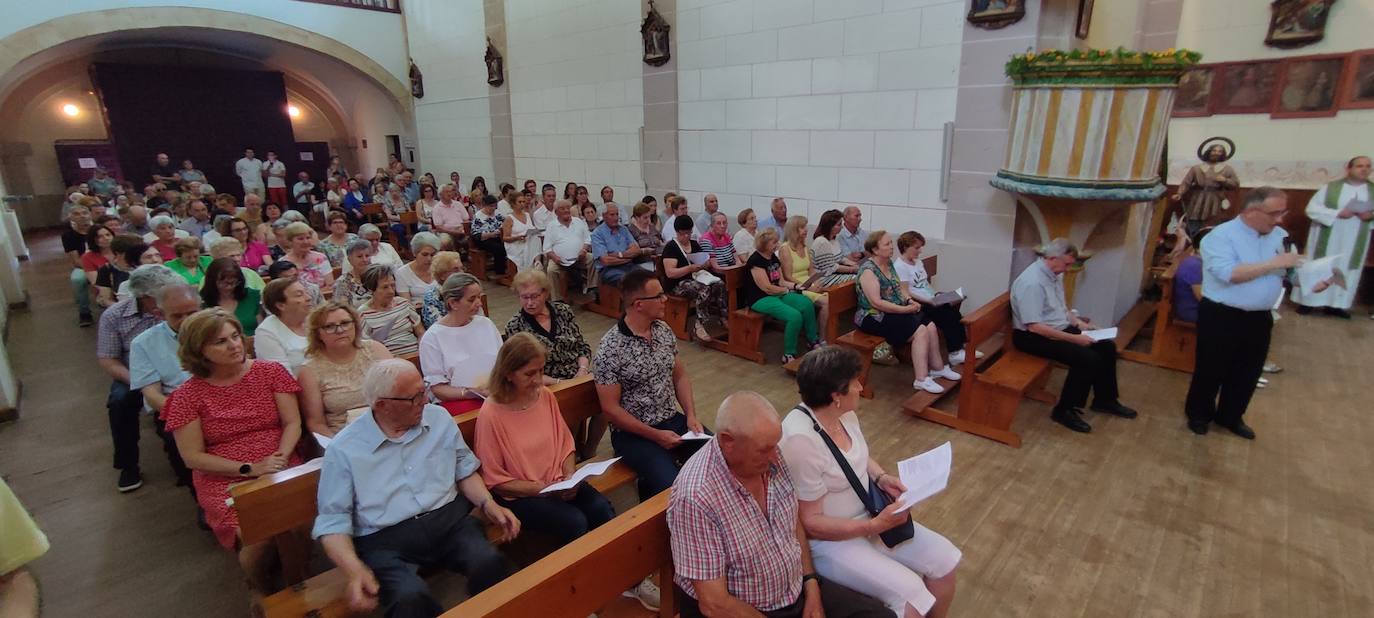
(448, 41)
(825, 103)
(576, 93)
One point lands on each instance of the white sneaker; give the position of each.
(646, 593)
(928, 385)
(1264, 381)
(1261, 385)
(947, 373)
(956, 357)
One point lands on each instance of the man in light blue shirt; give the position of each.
(1243, 267)
(389, 500)
(777, 219)
(155, 368)
(852, 235)
(614, 250)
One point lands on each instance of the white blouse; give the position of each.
(407, 282)
(744, 243)
(274, 341)
(815, 473)
(460, 356)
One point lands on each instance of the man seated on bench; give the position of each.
(1046, 328)
(613, 248)
(738, 547)
(386, 503)
(638, 375)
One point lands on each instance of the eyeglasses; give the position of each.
(536, 296)
(337, 327)
(657, 297)
(1275, 214)
(414, 400)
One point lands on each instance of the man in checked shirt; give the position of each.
(738, 547)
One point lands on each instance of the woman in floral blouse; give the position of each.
(552, 323)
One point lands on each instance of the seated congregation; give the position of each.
(307, 383)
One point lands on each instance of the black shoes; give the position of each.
(1115, 409)
(1340, 313)
(129, 480)
(1198, 428)
(1304, 310)
(1241, 429)
(1071, 418)
(84, 320)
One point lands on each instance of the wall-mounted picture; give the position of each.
(1245, 87)
(1194, 96)
(994, 14)
(1359, 89)
(1295, 23)
(1308, 87)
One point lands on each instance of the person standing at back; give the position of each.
(1243, 266)
(249, 171)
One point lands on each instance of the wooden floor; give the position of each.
(1139, 518)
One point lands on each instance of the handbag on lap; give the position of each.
(874, 499)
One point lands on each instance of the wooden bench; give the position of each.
(607, 301)
(990, 395)
(588, 574)
(1173, 343)
(745, 325)
(272, 507)
(678, 310)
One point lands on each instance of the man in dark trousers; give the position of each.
(1243, 266)
(1045, 327)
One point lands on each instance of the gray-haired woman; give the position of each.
(382, 252)
(387, 317)
(415, 278)
(458, 352)
(349, 288)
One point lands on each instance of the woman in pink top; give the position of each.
(525, 446)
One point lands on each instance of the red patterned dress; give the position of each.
(239, 423)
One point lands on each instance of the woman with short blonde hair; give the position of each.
(444, 265)
(313, 266)
(337, 356)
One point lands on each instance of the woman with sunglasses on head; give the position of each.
(337, 356)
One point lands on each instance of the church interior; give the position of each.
(1115, 145)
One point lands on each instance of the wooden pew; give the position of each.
(586, 575)
(1173, 344)
(989, 397)
(745, 325)
(607, 301)
(678, 312)
(273, 506)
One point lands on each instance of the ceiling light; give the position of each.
(71, 110)
(293, 111)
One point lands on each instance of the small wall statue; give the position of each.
(496, 65)
(417, 81)
(657, 49)
(1203, 189)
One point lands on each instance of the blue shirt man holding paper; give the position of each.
(387, 504)
(917, 574)
(1045, 327)
(1243, 267)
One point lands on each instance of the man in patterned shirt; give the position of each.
(738, 547)
(638, 375)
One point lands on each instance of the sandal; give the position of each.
(701, 334)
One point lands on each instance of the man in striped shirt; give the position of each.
(738, 547)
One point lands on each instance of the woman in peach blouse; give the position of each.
(525, 445)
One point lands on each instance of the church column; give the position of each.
(658, 145)
(502, 140)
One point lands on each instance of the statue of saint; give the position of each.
(1203, 189)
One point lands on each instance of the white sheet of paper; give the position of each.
(322, 440)
(86, 163)
(307, 156)
(698, 258)
(925, 475)
(1316, 271)
(960, 292)
(589, 470)
(1101, 333)
(695, 435)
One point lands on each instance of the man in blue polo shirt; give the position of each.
(1243, 267)
(614, 250)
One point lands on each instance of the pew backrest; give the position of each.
(989, 320)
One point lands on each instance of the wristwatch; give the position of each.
(244, 469)
(811, 576)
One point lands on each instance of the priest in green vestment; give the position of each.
(1341, 213)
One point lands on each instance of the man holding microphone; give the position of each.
(1243, 268)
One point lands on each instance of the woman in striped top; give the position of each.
(826, 254)
(388, 318)
(717, 242)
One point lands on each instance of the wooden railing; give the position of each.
(386, 6)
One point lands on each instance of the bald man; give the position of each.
(728, 558)
(703, 220)
(778, 217)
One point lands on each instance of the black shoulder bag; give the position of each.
(875, 499)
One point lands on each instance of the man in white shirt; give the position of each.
(679, 204)
(249, 171)
(567, 249)
(275, 171)
(303, 192)
(542, 210)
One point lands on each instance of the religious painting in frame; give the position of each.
(1359, 81)
(1295, 23)
(1085, 19)
(1309, 87)
(994, 14)
(1195, 89)
(1245, 87)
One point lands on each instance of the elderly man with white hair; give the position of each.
(738, 547)
(1045, 327)
(703, 220)
(119, 325)
(389, 502)
(136, 221)
(155, 369)
(567, 249)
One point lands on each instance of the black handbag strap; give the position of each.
(844, 463)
